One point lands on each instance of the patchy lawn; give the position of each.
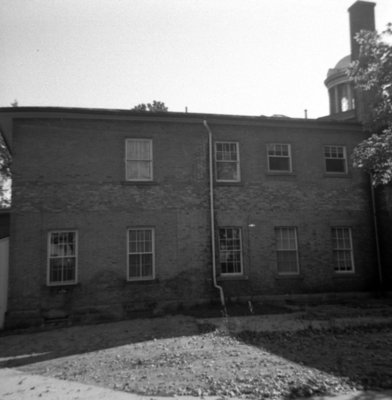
(179, 355)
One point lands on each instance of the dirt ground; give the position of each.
(183, 355)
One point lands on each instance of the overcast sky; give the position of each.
(249, 57)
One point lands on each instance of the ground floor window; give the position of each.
(287, 250)
(342, 249)
(230, 251)
(141, 254)
(62, 257)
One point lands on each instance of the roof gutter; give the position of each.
(212, 217)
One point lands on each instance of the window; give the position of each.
(230, 251)
(62, 257)
(138, 159)
(141, 254)
(335, 159)
(287, 250)
(227, 161)
(279, 157)
(342, 249)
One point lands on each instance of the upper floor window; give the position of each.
(287, 250)
(62, 257)
(279, 157)
(227, 161)
(342, 249)
(230, 251)
(141, 254)
(138, 159)
(335, 159)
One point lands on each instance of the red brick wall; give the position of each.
(69, 174)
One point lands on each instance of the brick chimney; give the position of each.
(361, 18)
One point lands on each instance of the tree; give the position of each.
(156, 106)
(5, 175)
(372, 77)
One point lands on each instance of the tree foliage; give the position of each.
(372, 77)
(155, 106)
(374, 155)
(5, 174)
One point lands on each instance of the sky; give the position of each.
(242, 57)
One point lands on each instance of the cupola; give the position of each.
(344, 102)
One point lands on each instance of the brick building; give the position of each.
(117, 212)
(111, 210)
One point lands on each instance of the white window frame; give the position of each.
(241, 272)
(279, 230)
(344, 158)
(150, 160)
(236, 162)
(342, 250)
(273, 147)
(152, 252)
(50, 257)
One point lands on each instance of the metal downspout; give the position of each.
(212, 221)
(376, 237)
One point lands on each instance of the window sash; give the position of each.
(342, 249)
(138, 160)
(279, 157)
(335, 159)
(230, 251)
(141, 254)
(62, 258)
(287, 250)
(227, 161)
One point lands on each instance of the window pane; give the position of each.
(230, 250)
(279, 164)
(227, 161)
(281, 150)
(55, 270)
(227, 171)
(69, 269)
(62, 257)
(140, 257)
(226, 151)
(138, 150)
(286, 250)
(146, 264)
(139, 159)
(335, 159)
(139, 170)
(335, 165)
(343, 252)
(134, 265)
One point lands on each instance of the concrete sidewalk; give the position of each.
(18, 385)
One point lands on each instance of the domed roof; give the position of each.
(344, 62)
(340, 67)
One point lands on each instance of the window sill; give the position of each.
(336, 175)
(142, 281)
(342, 275)
(232, 278)
(62, 287)
(288, 276)
(280, 173)
(139, 183)
(228, 183)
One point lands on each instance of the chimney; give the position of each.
(361, 18)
